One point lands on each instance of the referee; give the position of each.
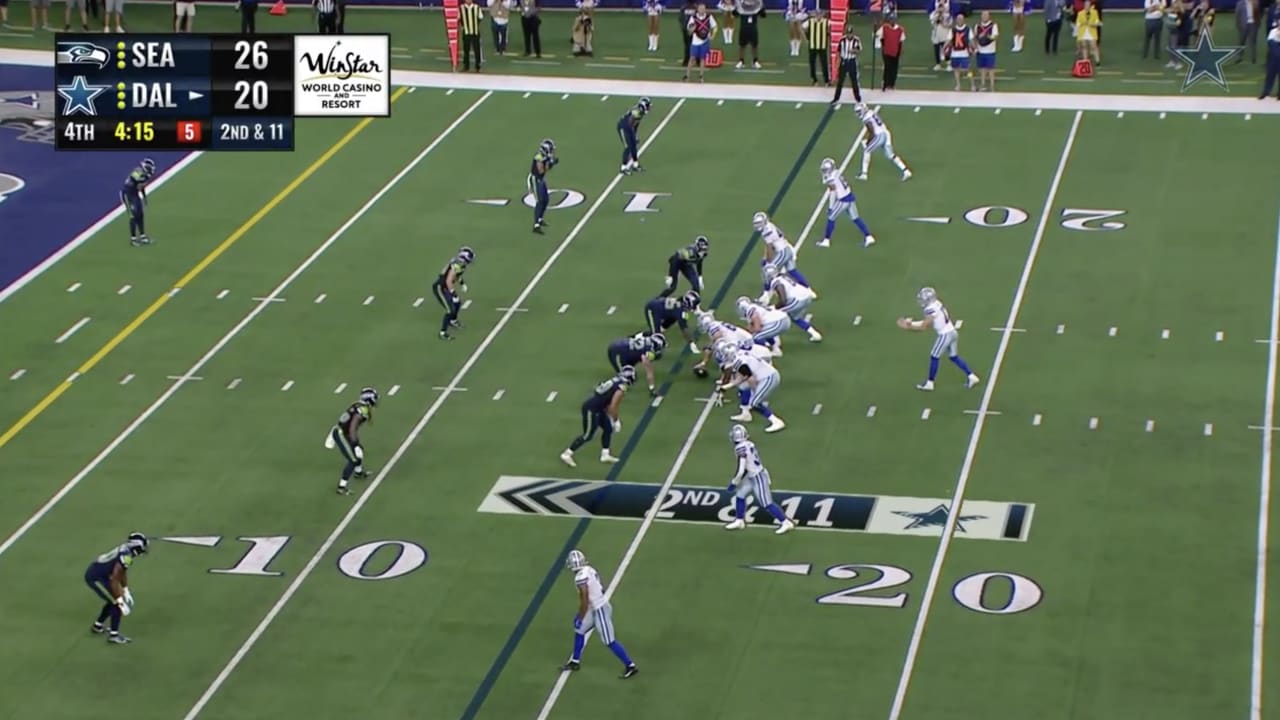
(326, 16)
(819, 29)
(470, 19)
(848, 48)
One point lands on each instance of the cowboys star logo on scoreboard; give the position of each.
(342, 75)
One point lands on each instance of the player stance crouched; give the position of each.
(715, 332)
(752, 478)
(639, 348)
(792, 298)
(600, 412)
(134, 198)
(687, 261)
(108, 576)
(663, 312)
(446, 288)
(765, 324)
(759, 379)
(345, 436)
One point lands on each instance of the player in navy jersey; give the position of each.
(640, 349)
(446, 288)
(345, 436)
(134, 198)
(663, 312)
(108, 576)
(543, 161)
(628, 131)
(600, 412)
(687, 261)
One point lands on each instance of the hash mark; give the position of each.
(1219, 336)
(1062, 329)
(955, 111)
(394, 389)
(222, 294)
(959, 324)
(285, 387)
(1093, 423)
(817, 408)
(1205, 116)
(1112, 332)
(564, 96)
(526, 95)
(1162, 115)
(924, 415)
(1009, 330)
(73, 376)
(1248, 116)
(257, 299)
(612, 309)
(320, 298)
(446, 388)
(340, 388)
(564, 308)
(656, 401)
(124, 289)
(719, 103)
(418, 302)
(18, 373)
(1120, 114)
(368, 300)
(449, 91)
(857, 320)
(980, 412)
(871, 411)
(73, 287)
(1035, 419)
(72, 330)
(759, 103)
(498, 395)
(1208, 429)
(1164, 334)
(552, 396)
(126, 379)
(1038, 111)
(466, 304)
(233, 384)
(799, 105)
(1151, 425)
(173, 291)
(916, 109)
(511, 309)
(604, 98)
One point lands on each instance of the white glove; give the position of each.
(128, 597)
(464, 287)
(328, 442)
(617, 426)
(718, 399)
(124, 607)
(359, 453)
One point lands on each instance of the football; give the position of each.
(700, 372)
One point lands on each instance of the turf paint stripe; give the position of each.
(418, 302)
(612, 309)
(368, 300)
(18, 373)
(320, 298)
(871, 411)
(1151, 426)
(90, 231)
(182, 282)
(563, 309)
(1112, 332)
(980, 422)
(394, 389)
(925, 413)
(1093, 423)
(73, 287)
(422, 423)
(285, 387)
(1219, 336)
(222, 294)
(552, 396)
(127, 379)
(124, 289)
(235, 383)
(231, 334)
(338, 390)
(1036, 419)
(498, 395)
(70, 331)
(555, 571)
(1164, 334)
(1208, 429)
(1264, 499)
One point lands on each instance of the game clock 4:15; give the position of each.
(118, 134)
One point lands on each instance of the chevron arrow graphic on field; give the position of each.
(549, 497)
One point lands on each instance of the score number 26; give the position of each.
(251, 55)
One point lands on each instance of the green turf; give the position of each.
(1140, 540)
(418, 42)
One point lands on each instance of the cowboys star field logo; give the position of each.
(1205, 60)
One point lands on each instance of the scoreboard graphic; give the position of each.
(212, 92)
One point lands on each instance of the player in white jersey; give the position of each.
(842, 202)
(878, 136)
(752, 478)
(765, 324)
(937, 318)
(791, 298)
(594, 613)
(778, 252)
(715, 332)
(761, 380)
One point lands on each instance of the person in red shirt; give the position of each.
(891, 36)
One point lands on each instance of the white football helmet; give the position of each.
(770, 272)
(926, 296)
(576, 560)
(759, 221)
(827, 166)
(706, 322)
(738, 434)
(743, 306)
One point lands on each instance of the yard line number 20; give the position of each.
(972, 592)
(1079, 219)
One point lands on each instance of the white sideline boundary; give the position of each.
(795, 94)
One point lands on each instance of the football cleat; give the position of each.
(787, 526)
(566, 457)
(630, 672)
(571, 666)
(737, 524)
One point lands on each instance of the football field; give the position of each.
(1082, 535)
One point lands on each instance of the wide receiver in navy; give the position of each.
(628, 131)
(134, 198)
(108, 576)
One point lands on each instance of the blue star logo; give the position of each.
(937, 517)
(1205, 61)
(79, 96)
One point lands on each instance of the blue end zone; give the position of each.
(48, 198)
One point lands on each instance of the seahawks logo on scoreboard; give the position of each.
(82, 53)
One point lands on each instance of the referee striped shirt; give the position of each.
(849, 47)
(470, 17)
(326, 7)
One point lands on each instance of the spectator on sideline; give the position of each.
(940, 30)
(531, 27)
(891, 36)
(702, 30)
(1152, 24)
(1247, 27)
(184, 16)
(583, 30)
(84, 16)
(818, 28)
(848, 48)
(327, 16)
(248, 16)
(751, 12)
(1176, 24)
(1087, 33)
(1019, 9)
(987, 40)
(960, 46)
(1273, 63)
(40, 15)
(4, 14)
(795, 15)
(1203, 16)
(652, 12)
(342, 17)
(1052, 25)
(113, 7)
(470, 20)
(726, 20)
(686, 14)
(500, 20)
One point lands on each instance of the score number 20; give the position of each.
(251, 55)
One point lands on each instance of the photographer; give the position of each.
(583, 29)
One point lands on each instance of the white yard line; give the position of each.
(707, 408)
(92, 230)
(426, 418)
(1264, 499)
(966, 468)
(254, 313)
